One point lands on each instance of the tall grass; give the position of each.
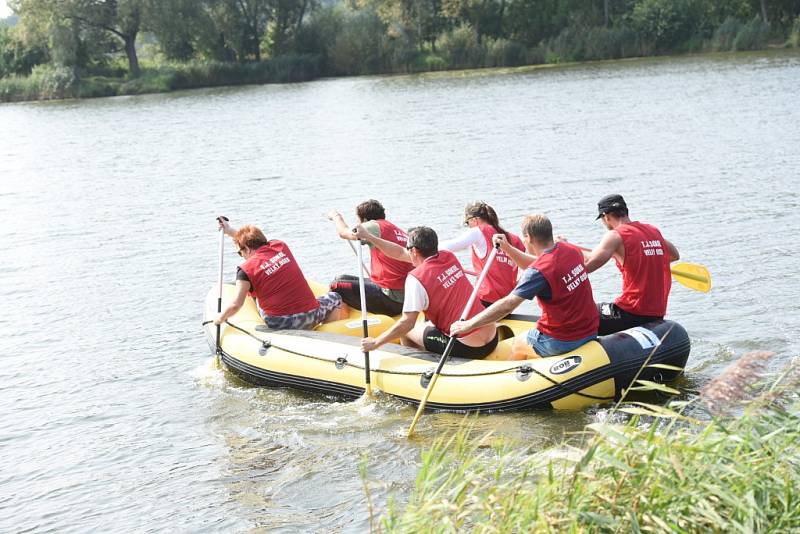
(794, 35)
(660, 471)
(47, 82)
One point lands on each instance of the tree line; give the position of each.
(343, 37)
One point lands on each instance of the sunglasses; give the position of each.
(239, 252)
(409, 247)
(467, 220)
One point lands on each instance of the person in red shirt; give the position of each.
(438, 287)
(272, 276)
(482, 223)
(643, 256)
(383, 290)
(557, 278)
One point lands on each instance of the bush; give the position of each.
(610, 43)
(54, 82)
(752, 36)
(504, 53)
(668, 23)
(429, 62)
(359, 48)
(46, 82)
(794, 36)
(725, 35)
(97, 86)
(461, 47)
(317, 35)
(567, 46)
(17, 57)
(17, 88)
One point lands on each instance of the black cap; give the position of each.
(610, 203)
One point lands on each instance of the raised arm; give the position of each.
(227, 229)
(342, 229)
(393, 250)
(608, 247)
(522, 259)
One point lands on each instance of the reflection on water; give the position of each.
(118, 416)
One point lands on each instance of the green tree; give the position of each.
(17, 56)
(241, 25)
(668, 23)
(287, 19)
(87, 20)
(178, 26)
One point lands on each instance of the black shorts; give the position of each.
(436, 341)
(614, 319)
(377, 301)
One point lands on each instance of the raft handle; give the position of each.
(341, 361)
(524, 372)
(425, 378)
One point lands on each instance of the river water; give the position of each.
(114, 415)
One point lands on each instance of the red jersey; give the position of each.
(277, 282)
(570, 314)
(448, 290)
(387, 272)
(502, 275)
(646, 278)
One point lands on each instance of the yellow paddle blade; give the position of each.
(692, 275)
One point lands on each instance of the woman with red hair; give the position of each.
(272, 276)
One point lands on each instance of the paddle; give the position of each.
(361, 264)
(221, 250)
(692, 275)
(449, 347)
(365, 328)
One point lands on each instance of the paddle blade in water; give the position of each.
(692, 275)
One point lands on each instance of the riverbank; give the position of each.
(692, 467)
(57, 83)
(48, 82)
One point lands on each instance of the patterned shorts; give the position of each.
(305, 320)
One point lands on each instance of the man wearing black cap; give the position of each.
(643, 256)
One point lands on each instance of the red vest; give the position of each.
(277, 281)
(570, 314)
(502, 275)
(448, 290)
(387, 272)
(646, 278)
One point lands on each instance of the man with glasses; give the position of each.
(643, 256)
(438, 287)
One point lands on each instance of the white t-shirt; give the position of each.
(471, 237)
(416, 298)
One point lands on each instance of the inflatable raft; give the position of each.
(329, 360)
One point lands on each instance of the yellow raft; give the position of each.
(329, 360)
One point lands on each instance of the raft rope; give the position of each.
(524, 368)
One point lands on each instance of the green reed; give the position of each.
(661, 470)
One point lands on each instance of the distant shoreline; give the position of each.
(291, 69)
